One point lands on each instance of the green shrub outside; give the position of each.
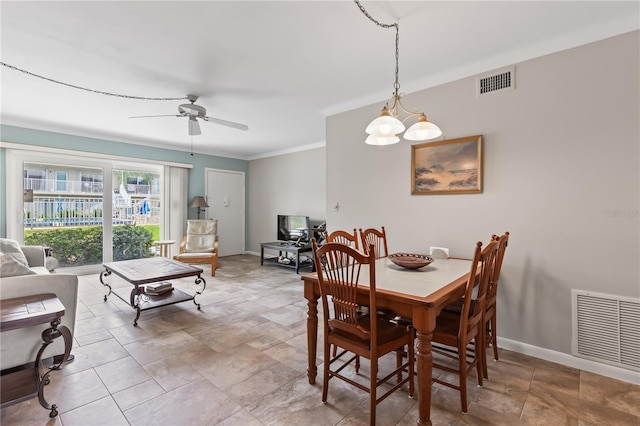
(83, 245)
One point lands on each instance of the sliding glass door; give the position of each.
(135, 214)
(87, 211)
(64, 212)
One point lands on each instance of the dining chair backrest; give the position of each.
(457, 330)
(339, 268)
(482, 267)
(378, 239)
(344, 237)
(492, 290)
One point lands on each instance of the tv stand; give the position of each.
(288, 247)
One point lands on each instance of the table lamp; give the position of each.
(198, 202)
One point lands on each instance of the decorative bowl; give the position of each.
(411, 260)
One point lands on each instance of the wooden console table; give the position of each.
(26, 381)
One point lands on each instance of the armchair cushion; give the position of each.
(201, 235)
(11, 247)
(10, 267)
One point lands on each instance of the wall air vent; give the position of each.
(606, 329)
(495, 81)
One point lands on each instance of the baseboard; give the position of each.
(571, 361)
(252, 253)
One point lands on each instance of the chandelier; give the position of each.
(384, 130)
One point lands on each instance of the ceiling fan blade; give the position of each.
(226, 123)
(150, 116)
(194, 127)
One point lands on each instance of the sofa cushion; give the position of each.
(12, 247)
(10, 267)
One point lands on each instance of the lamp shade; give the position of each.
(198, 201)
(381, 140)
(385, 125)
(423, 130)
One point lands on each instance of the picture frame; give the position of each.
(447, 167)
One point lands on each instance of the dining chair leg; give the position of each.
(462, 367)
(399, 356)
(482, 356)
(483, 339)
(373, 395)
(494, 337)
(412, 360)
(325, 382)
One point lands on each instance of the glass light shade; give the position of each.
(423, 130)
(385, 125)
(381, 140)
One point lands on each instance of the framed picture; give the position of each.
(447, 167)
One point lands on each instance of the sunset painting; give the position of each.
(447, 167)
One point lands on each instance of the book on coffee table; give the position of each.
(159, 286)
(158, 292)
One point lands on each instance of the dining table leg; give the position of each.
(424, 324)
(312, 336)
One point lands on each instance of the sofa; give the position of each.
(23, 272)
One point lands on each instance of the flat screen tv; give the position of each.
(293, 228)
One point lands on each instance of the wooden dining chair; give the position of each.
(490, 316)
(378, 239)
(339, 267)
(490, 319)
(455, 331)
(344, 237)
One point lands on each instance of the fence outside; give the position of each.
(87, 211)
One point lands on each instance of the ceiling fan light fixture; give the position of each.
(195, 112)
(422, 130)
(194, 127)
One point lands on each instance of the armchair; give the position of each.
(200, 245)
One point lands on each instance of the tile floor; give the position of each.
(241, 360)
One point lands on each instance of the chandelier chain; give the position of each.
(395, 25)
(92, 90)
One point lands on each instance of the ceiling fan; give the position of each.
(194, 112)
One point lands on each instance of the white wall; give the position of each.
(285, 184)
(561, 153)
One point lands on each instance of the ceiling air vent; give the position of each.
(496, 81)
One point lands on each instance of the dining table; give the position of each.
(416, 294)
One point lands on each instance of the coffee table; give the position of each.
(138, 272)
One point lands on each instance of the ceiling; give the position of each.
(278, 66)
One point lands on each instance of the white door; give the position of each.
(225, 196)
